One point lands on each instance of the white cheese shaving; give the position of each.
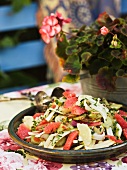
(90, 103)
(85, 133)
(118, 130)
(38, 135)
(97, 136)
(103, 144)
(109, 131)
(48, 143)
(28, 121)
(50, 116)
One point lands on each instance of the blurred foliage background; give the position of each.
(8, 39)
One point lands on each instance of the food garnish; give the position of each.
(71, 122)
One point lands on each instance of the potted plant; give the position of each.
(100, 49)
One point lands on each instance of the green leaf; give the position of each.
(116, 63)
(5, 80)
(124, 62)
(124, 30)
(100, 40)
(92, 39)
(86, 56)
(82, 39)
(123, 39)
(93, 50)
(27, 2)
(17, 5)
(120, 72)
(116, 53)
(7, 42)
(61, 47)
(72, 41)
(71, 49)
(96, 65)
(120, 21)
(71, 78)
(106, 55)
(73, 64)
(17, 78)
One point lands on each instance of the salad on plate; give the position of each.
(71, 122)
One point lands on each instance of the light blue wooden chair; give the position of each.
(27, 54)
(123, 9)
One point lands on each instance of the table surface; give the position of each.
(14, 161)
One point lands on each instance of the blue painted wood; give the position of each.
(26, 18)
(25, 55)
(12, 89)
(124, 7)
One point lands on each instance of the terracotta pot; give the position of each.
(90, 87)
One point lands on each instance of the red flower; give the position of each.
(52, 25)
(104, 30)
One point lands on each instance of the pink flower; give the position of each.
(51, 26)
(14, 161)
(35, 165)
(59, 16)
(10, 161)
(6, 143)
(104, 30)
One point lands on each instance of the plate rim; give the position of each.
(57, 152)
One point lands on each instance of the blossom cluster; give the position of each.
(52, 25)
(100, 48)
